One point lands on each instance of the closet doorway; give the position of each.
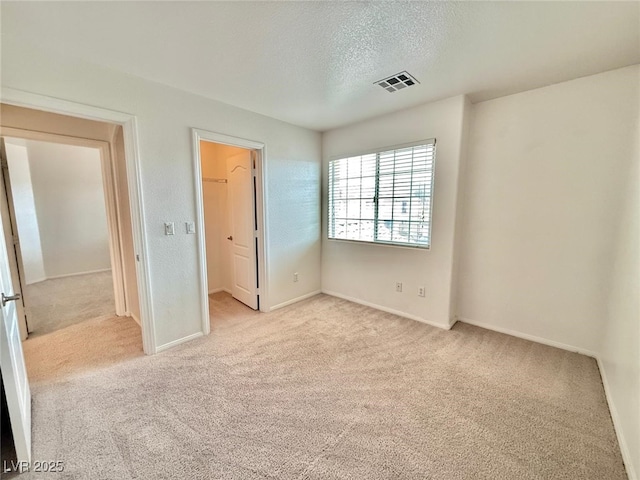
(230, 219)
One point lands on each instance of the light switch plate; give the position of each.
(169, 228)
(191, 227)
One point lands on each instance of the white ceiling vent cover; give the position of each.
(397, 82)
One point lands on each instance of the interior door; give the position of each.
(10, 231)
(241, 201)
(14, 372)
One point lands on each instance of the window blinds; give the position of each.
(383, 197)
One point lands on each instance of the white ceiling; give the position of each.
(314, 63)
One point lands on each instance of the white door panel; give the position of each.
(242, 223)
(14, 372)
(241, 269)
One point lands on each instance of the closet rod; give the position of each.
(216, 180)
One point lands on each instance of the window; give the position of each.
(383, 197)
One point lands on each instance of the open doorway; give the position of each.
(56, 193)
(113, 135)
(230, 216)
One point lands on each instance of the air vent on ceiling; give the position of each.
(397, 82)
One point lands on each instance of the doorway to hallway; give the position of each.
(61, 234)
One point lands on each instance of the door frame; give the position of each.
(260, 207)
(11, 96)
(110, 195)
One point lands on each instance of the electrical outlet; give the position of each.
(295, 277)
(169, 228)
(421, 291)
(398, 286)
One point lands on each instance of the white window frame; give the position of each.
(377, 152)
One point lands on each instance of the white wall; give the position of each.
(164, 118)
(69, 198)
(367, 273)
(544, 173)
(25, 211)
(620, 348)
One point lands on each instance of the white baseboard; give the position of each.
(218, 290)
(78, 273)
(444, 326)
(135, 319)
(295, 300)
(37, 280)
(533, 338)
(617, 424)
(175, 343)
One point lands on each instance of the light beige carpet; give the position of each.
(323, 389)
(60, 302)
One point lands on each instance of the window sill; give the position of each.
(381, 244)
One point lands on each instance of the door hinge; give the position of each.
(257, 291)
(137, 257)
(16, 239)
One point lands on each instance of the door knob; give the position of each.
(230, 237)
(10, 298)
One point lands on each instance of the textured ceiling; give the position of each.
(314, 63)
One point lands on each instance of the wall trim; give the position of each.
(128, 122)
(617, 423)
(175, 343)
(218, 290)
(135, 318)
(443, 326)
(295, 300)
(78, 273)
(533, 338)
